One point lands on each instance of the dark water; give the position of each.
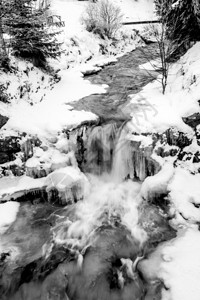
(124, 78)
(51, 264)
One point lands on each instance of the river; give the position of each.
(90, 249)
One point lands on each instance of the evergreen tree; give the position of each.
(181, 18)
(4, 11)
(30, 37)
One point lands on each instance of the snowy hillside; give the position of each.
(175, 262)
(139, 10)
(132, 10)
(80, 46)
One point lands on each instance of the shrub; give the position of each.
(103, 18)
(3, 95)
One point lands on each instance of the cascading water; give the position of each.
(99, 148)
(110, 149)
(90, 248)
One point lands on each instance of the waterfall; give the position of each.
(112, 148)
(109, 151)
(100, 147)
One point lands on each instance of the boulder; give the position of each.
(3, 120)
(8, 147)
(193, 120)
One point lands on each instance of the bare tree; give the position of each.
(103, 17)
(171, 35)
(166, 50)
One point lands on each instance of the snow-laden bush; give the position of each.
(103, 18)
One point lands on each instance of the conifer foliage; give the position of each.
(181, 18)
(4, 12)
(29, 33)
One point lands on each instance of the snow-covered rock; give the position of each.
(12, 187)
(8, 214)
(70, 183)
(176, 263)
(184, 195)
(157, 186)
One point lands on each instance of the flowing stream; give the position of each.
(88, 250)
(124, 77)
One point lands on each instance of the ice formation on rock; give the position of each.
(70, 184)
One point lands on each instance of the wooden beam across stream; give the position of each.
(141, 22)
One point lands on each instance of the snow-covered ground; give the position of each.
(52, 114)
(132, 10)
(180, 99)
(81, 45)
(38, 105)
(175, 262)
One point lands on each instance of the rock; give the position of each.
(196, 158)
(67, 185)
(193, 120)
(8, 147)
(154, 290)
(28, 145)
(3, 120)
(175, 138)
(155, 223)
(42, 267)
(91, 71)
(4, 157)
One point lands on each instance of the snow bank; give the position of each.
(180, 269)
(52, 114)
(152, 65)
(14, 187)
(154, 112)
(66, 90)
(185, 194)
(46, 120)
(157, 185)
(177, 264)
(8, 213)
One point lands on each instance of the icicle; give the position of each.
(123, 157)
(70, 184)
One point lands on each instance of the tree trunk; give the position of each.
(3, 53)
